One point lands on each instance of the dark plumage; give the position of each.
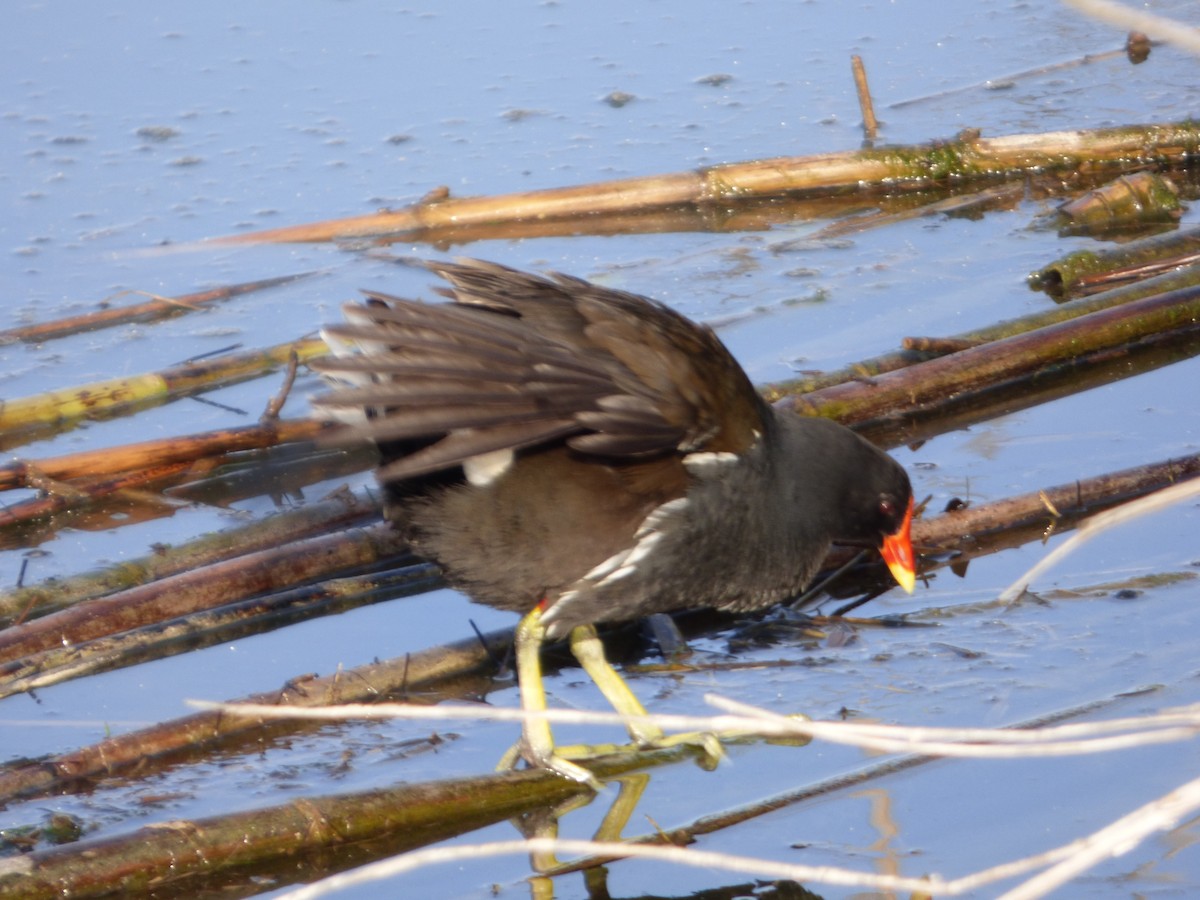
(594, 454)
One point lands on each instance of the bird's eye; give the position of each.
(887, 507)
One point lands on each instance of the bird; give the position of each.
(582, 455)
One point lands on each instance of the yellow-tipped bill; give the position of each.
(897, 552)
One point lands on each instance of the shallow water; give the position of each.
(130, 130)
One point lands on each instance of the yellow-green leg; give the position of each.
(537, 740)
(588, 649)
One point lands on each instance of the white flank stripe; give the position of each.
(606, 567)
(697, 462)
(656, 518)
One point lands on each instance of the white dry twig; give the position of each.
(991, 743)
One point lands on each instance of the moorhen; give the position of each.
(581, 455)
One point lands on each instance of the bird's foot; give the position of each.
(798, 740)
(708, 743)
(553, 760)
(711, 744)
(734, 736)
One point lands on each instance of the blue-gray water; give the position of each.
(131, 126)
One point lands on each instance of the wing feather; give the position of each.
(519, 360)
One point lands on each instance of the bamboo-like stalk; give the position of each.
(220, 481)
(1049, 508)
(920, 390)
(229, 622)
(81, 478)
(968, 156)
(196, 854)
(276, 531)
(60, 497)
(1135, 201)
(917, 350)
(150, 311)
(754, 214)
(1079, 272)
(223, 582)
(865, 104)
(1044, 386)
(106, 398)
(188, 448)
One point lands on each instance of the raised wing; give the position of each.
(519, 360)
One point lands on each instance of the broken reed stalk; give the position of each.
(150, 311)
(224, 582)
(166, 451)
(962, 529)
(221, 482)
(228, 622)
(1045, 386)
(932, 385)
(57, 497)
(118, 395)
(277, 530)
(69, 481)
(1049, 508)
(1128, 204)
(966, 157)
(1083, 271)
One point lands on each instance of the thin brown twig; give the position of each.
(870, 123)
(271, 413)
(157, 308)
